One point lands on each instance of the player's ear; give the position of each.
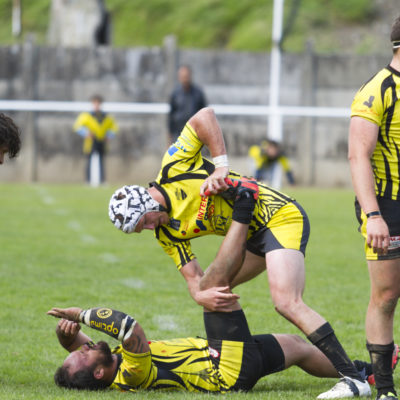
(99, 372)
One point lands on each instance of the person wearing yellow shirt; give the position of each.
(96, 128)
(267, 158)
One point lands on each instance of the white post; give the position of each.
(16, 18)
(94, 177)
(275, 120)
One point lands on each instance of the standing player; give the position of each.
(374, 154)
(10, 141)
(277, 236)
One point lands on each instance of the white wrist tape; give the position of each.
(221, 161)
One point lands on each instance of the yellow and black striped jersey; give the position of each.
(378, 101)
(183, 171)
(184, 364)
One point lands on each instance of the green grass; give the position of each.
(58, 248)
(230, 24)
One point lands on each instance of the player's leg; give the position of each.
(252, 266)
(231, 254)
(87, 169)
(309, 358)
(282, 351)
(229, 258)
(227, 325)
(230, 325)
(385, 291)
(286, 276)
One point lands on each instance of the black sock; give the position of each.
(325, 339)
(381, 359)
(227, 326)
(364, 368)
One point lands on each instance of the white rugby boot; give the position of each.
(347, 387)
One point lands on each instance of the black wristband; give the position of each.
(243, 208)
(373, 213)
(114, 323)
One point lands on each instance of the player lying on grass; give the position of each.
(230, 359)
(276, 240)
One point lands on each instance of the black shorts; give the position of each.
(289, 228)
(250, 356)
(263, 356)
(390, 210)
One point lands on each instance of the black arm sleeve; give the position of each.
(112, 322)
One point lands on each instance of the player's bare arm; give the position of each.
(217, 298)
(70, 336)
(362, 141)
(136, 342)
(114, 323)
(209, 132)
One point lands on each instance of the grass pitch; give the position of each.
(58, 248)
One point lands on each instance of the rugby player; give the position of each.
(230, 359)
(374, 154)
(10, 141)
(176, 207)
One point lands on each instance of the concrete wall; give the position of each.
(52, 153)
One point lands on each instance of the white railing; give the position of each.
(163, 108)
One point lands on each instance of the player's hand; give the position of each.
(215, 183)
(71, 314)
(67, 329)
(217, 298)
(378, 235)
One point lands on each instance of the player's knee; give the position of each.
(387, 302)
(288, 307)
(211, 280)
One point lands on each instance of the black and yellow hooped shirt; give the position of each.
(184, 364)
(183, 171)
(378, 101)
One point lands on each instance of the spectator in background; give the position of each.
(96, 128)
(10, 142)
(268, 158)
(185, 101)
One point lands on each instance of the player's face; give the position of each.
(96, 105)
(87, 356)
(3, 152)
(152, 220)
(184, 76)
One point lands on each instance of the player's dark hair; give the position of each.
(97, 97)
(187, 66)
(81, 380)
(395, 33)
(9, 135)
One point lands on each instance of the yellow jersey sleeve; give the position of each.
(368, 102)
(136, 371)
(180, 252)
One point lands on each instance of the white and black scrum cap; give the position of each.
(128, 204)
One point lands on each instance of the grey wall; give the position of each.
(52, 153)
